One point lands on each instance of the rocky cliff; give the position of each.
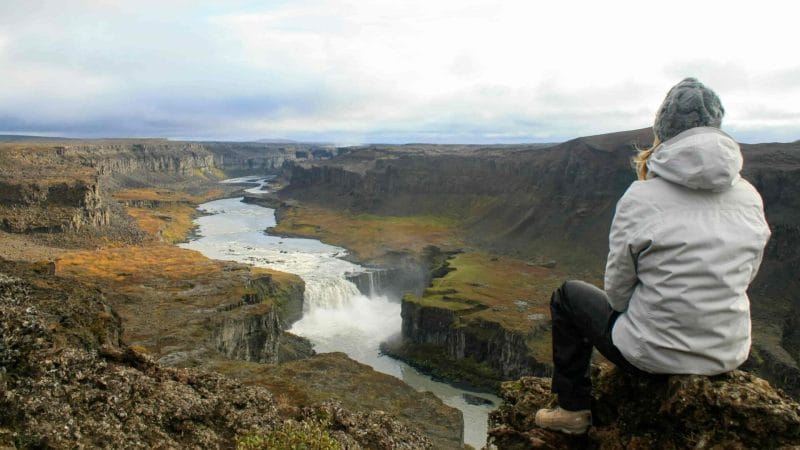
(51, 205)
(481, 322)
(733, 410)
(477, 353)
(253, 158)
(151, 156)
(49, 186)
(183, 308)
(253, 329)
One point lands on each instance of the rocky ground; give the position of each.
(68, 381)
(736, 410)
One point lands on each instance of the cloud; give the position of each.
(445, 71)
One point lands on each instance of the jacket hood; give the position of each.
(699, 158)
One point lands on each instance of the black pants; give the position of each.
(582, 319)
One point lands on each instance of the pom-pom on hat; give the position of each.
(687, 105)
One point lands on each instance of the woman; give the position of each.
(686, 240)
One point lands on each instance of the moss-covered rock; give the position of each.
(732, 410)
(482, 321)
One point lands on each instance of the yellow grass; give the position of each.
(137, 264)
(166, 195)
(168, 223)
(370, 236)
(166, 295)
(171, 219)
(156, 263)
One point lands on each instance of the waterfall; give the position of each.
(328, 293)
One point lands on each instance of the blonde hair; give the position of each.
(640, 160)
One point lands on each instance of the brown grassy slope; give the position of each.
(369, 236)
(165, 295)
(164, 214)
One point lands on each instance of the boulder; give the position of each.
(734, 410)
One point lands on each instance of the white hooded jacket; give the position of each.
(684, 246)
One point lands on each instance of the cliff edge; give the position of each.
(734, 410)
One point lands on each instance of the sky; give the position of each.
(391, 71)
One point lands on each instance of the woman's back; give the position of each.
(695, 231)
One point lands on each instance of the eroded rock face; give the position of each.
(248, 158)
(43, 205)
(733, 410)
(428, 331)
(258, 336)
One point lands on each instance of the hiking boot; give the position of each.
(570, 422)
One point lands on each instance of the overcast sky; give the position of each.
(354, 71)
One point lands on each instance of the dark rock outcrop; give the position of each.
(254, 329)
(51, 205)
(477, 353)
(733, 410)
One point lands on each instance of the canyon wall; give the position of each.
(252, 158)
(477, 353)
(254, 328)
(51, 205)
(63, 186)
(523, 200)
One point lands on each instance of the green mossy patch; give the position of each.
(370, 237)
(508, 291)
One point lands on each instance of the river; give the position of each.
(336, 316)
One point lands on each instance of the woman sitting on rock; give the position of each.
(686, 241)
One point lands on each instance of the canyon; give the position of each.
(474, 237)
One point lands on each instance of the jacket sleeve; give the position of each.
(624, 248)
(760, 255)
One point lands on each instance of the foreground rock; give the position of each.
(357, 387)
(67, 381)
(733, 410)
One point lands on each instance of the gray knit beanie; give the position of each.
(687, 105)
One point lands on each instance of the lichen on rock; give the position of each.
(733, 410)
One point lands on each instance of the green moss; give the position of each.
(481, 286)
(306, 435)
(439, 301)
